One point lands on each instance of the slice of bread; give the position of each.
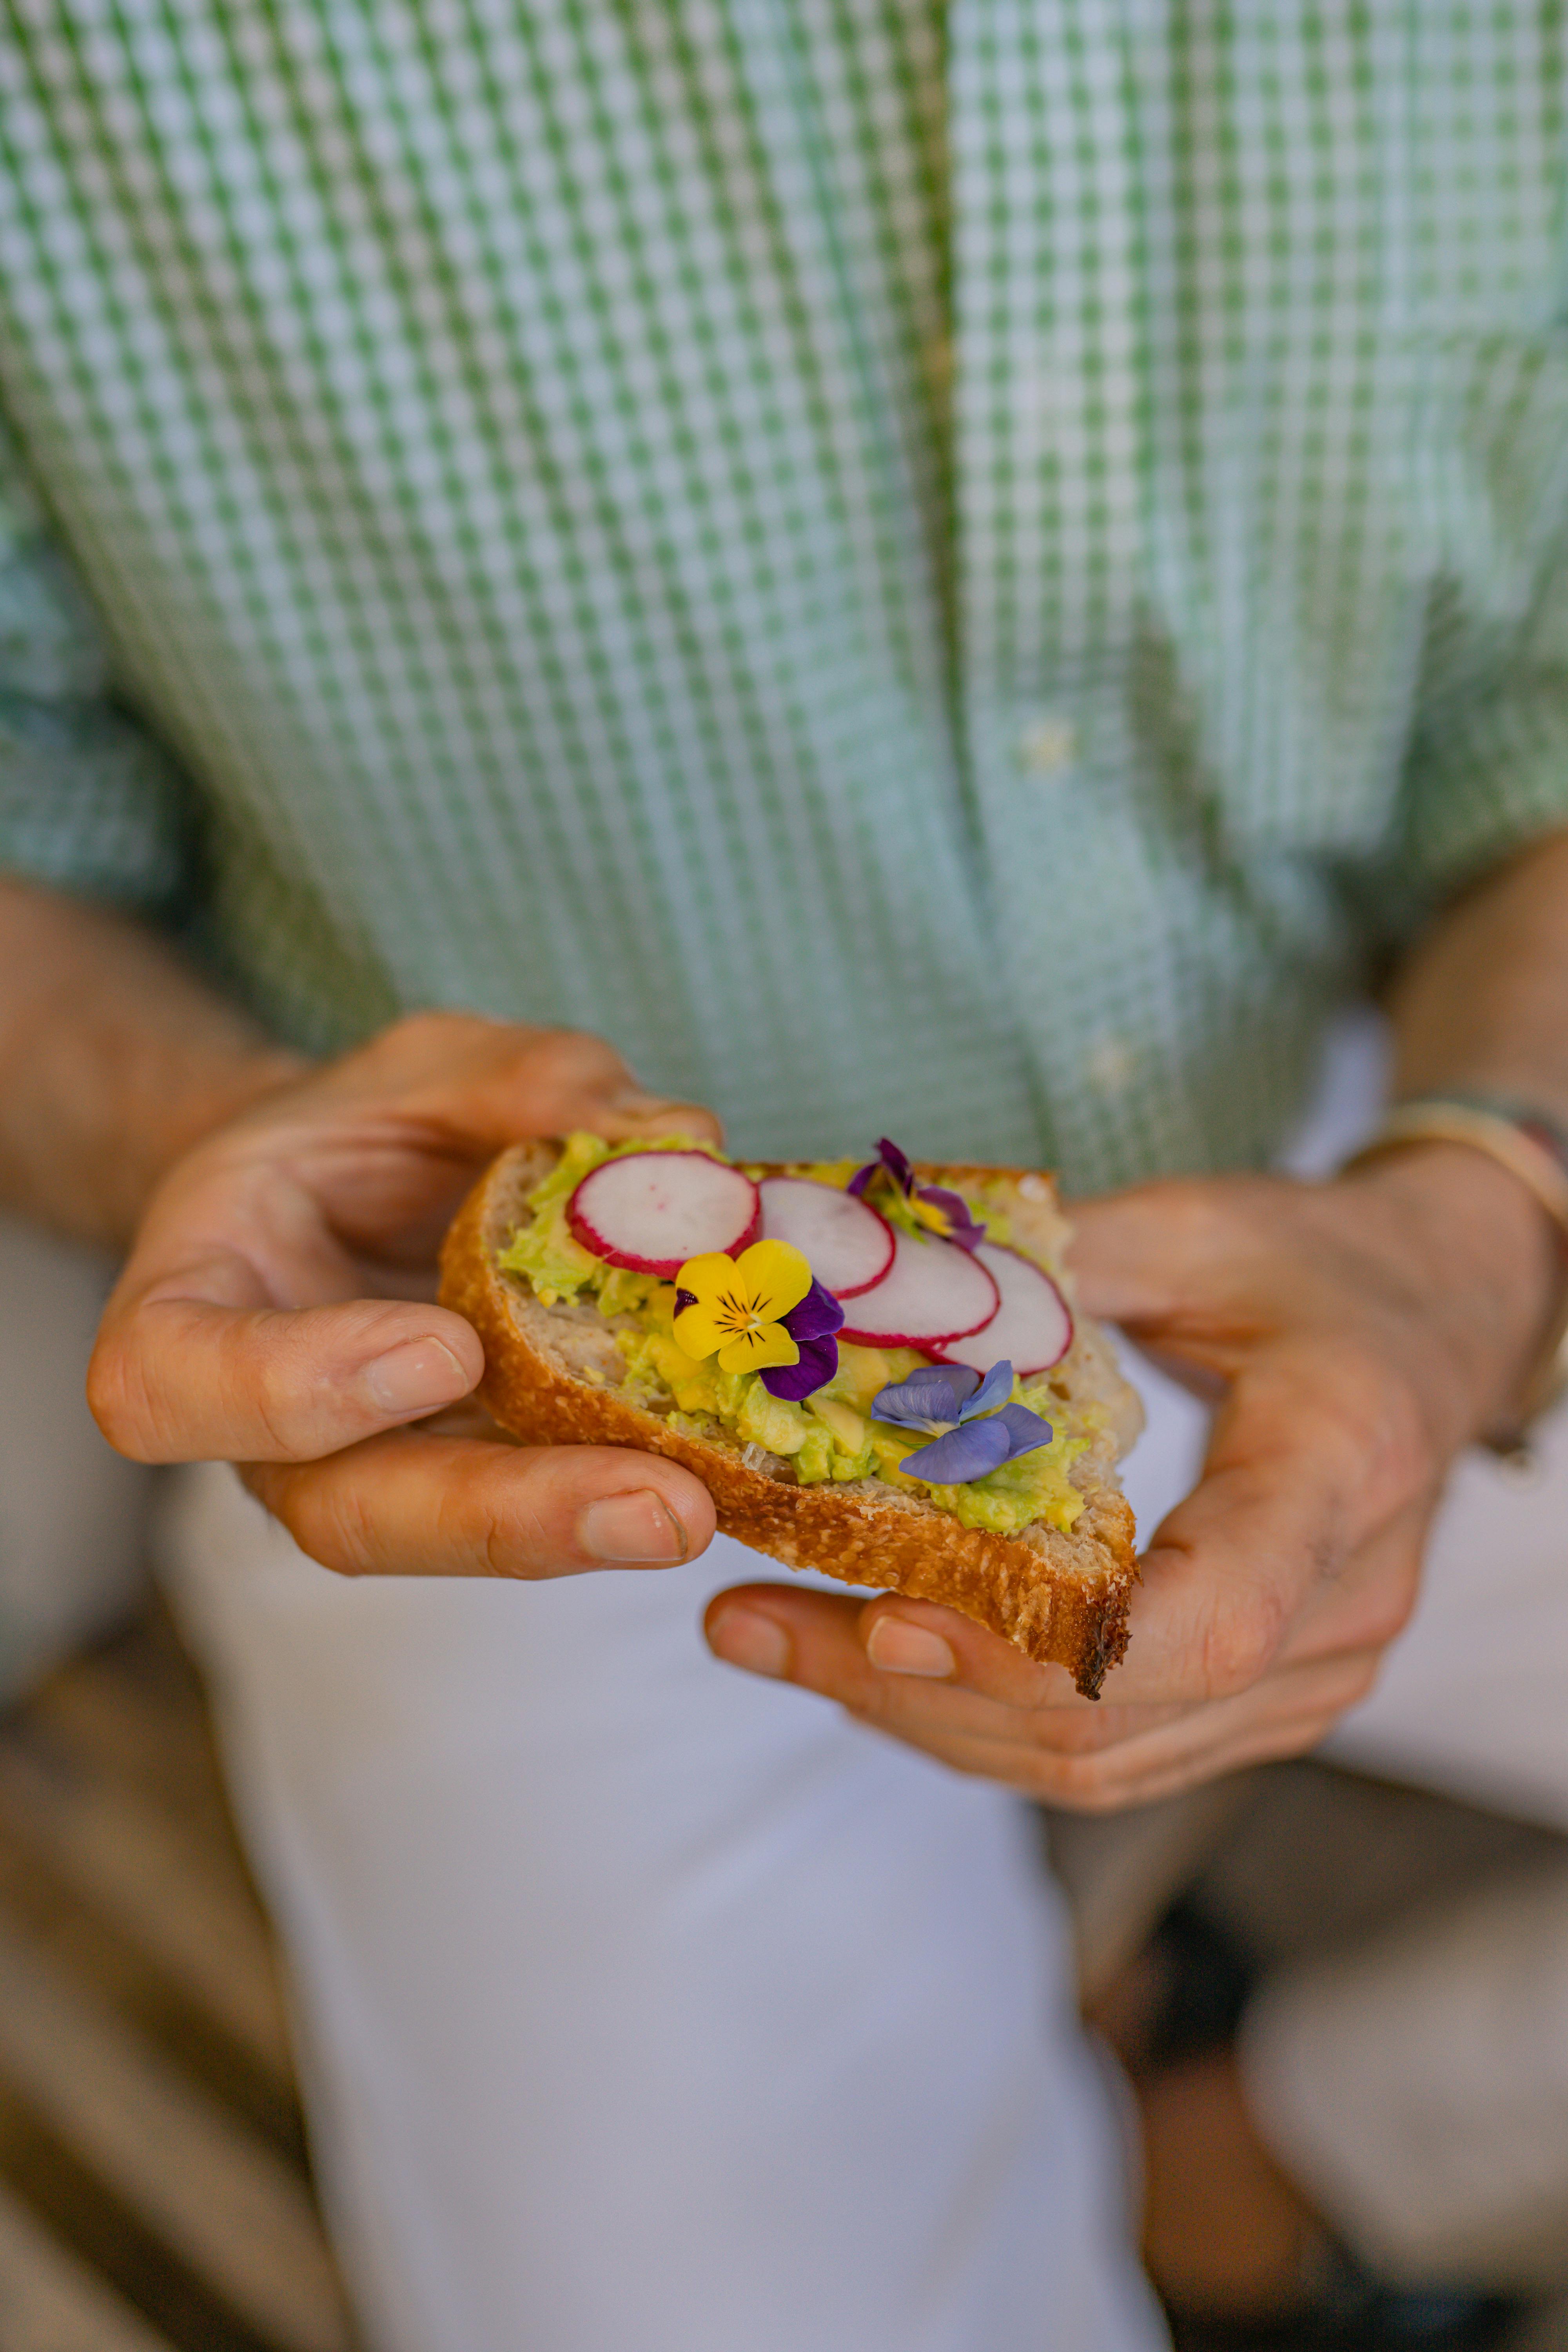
(554, 1375)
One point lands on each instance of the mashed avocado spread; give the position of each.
(831, 1434)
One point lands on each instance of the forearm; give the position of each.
(114, 1057)
(1482, 1001)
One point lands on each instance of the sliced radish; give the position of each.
(1033, 1325)
(847, 1245)
(651, 1211)
(932, 1292)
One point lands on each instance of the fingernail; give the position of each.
(636, 1527)
(415, 1378)
(901, 1648)
(742, 1638)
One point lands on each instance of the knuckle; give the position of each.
(564, 1060)
(129, 1404)
(1082, 1784)
(1201, 1217)
(1371, 1418)
(1353, 1686)
(1391, 1609)
(331, 1518)
(433, 1028)
(504, 1526)
(264, 1376)
(111, 1402)
(1240, 1642)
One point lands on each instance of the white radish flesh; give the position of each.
(932, 1292)
(653, 1210)
(1032, 1328)
(847, 1245)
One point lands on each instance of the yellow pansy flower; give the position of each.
(737, 1305)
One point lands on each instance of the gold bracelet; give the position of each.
(1521, 1150)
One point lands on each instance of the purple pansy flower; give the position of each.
(974, 1421)
(891, 1162)
(812, 1326)
(962, 1227)
(937, 1209)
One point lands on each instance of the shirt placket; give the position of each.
(1050, 436)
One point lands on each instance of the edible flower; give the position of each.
(932, 1205)
(976, 1425)
(812, 1326)
(738, 1306)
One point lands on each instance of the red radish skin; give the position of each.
(1033, 1325)
(933, 1293)
(847, 1243)
(651, 1211)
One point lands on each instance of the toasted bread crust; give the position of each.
(1061, 1599)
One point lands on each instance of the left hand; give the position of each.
(1359, 1334)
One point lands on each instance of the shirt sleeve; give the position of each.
(88, 801)
(1487, 771)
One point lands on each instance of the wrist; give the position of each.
(1490, 1263)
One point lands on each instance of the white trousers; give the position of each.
(646, 2007)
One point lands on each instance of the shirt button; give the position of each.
(1048, 745)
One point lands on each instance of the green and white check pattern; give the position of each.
(948, 571)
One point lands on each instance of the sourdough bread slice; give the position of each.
(554, 1375)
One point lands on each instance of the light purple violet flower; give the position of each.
(956, 1224)
(976, 1425)
(812, 1326)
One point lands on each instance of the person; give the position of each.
(968, 573)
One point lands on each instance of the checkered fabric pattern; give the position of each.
(956, 570)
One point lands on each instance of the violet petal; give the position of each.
(931, 1392)
(862, 1177)
(966, 1453)
(898, 1164)
(993, 1392)
(818, 1362)
(818, 1315)
(962, 1227)
(1026, 1430)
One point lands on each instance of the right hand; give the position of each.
(277, 1312)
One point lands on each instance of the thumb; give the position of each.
(191, 1379)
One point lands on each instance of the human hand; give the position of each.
(277, 1311)
(1358, 1335)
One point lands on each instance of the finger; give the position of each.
(811, 1639)
(484, 1084)
(1317, 1473)
(408, 1503)
(819, 1640)
(847, 1647)
(913, 1668)
(193, 1379)
(1135, 1254)
(1286, 1718)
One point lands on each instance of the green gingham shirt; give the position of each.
(958, 571)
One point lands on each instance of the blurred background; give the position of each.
(154, 2184)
